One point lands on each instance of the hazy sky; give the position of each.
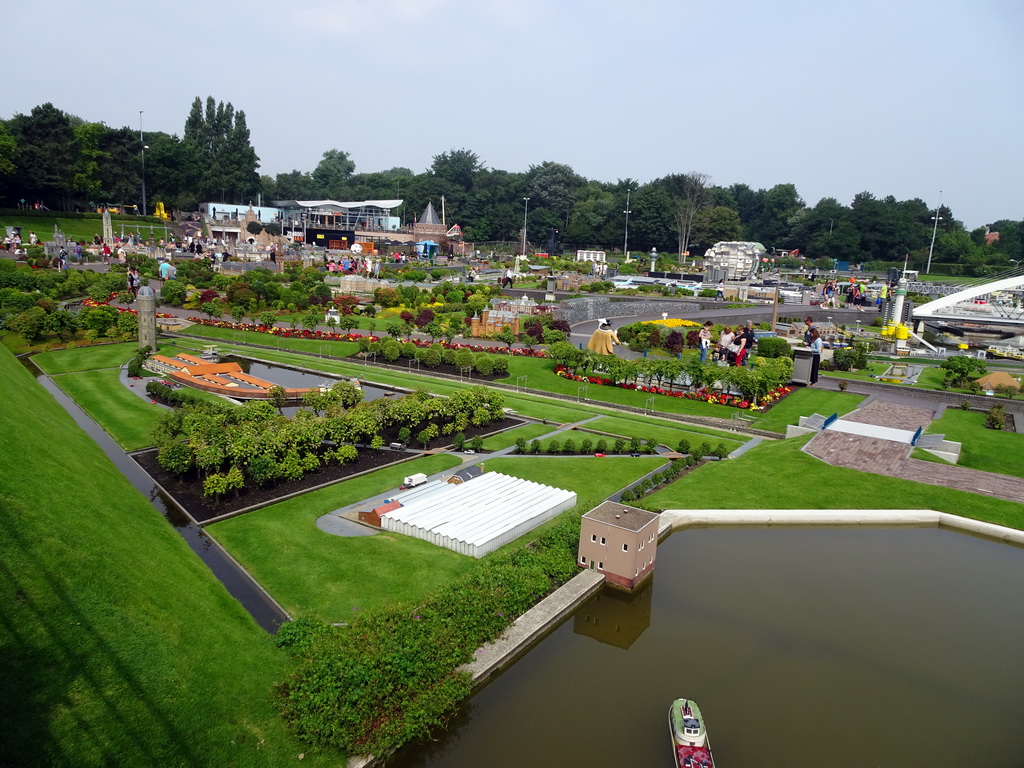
(901, 97)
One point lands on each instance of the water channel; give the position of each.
(804, 647)
(267, 613)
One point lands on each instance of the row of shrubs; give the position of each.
(588, 446)
(655, 481)
(433, 356)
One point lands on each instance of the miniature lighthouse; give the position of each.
(147, 317)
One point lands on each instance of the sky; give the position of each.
(893, 97)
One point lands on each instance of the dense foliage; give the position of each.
(393, 675)
(232, 446)
(65, 162)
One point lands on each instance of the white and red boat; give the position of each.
(690, 745)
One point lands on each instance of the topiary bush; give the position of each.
(773, 346)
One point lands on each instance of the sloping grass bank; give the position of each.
(118, 646)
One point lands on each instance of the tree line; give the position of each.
(68, 163)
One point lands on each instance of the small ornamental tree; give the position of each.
(960, 367)
(506, 336)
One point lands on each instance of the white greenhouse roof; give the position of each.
(478, 516)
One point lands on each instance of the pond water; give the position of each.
(803, 647)
(290, 378)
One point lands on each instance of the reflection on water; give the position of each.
(804, 647)
(615, 617)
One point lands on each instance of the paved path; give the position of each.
(892, 458)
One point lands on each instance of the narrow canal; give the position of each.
(803, 647)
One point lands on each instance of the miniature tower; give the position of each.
(147, 317)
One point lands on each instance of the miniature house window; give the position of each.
(593, 537)
(625, 547)
(602, 541)
(583, 559)
(600, 566)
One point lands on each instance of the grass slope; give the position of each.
(124, 416)
(990, 450)
(118, 646)
(778, 475)
(310, 571)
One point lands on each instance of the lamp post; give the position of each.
(143, 143)
(935, 229)
(625, 238)
(526, 210)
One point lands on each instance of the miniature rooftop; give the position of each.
(621, 515)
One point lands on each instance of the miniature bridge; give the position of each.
(976, 303)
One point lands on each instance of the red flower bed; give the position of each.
(705, 395)
(296, 333)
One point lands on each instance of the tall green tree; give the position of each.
(332, 173)
(47, 155)
(217, 143)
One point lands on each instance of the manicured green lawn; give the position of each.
(77, 229)
(506, 439)
(592, 479)
(804, 402)
(780, 476)
(312, 572)
(663, 432)
(117, 645)
(990, 450)
(540, 375)
(123, 415)
(86, 358)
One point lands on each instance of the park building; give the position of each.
(619, 541)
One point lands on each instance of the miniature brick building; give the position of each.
(619, 541)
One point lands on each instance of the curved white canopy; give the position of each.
(336, 206)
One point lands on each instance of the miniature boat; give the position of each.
(690, 745)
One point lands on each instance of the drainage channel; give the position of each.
(246, 590)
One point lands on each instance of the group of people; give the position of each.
(856, 293)
(733, 347)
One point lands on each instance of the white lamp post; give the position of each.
(654, 258)
(625, 238)
(526, 210)
(143, 143)
(935, 229)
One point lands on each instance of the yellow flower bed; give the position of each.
(673, 322)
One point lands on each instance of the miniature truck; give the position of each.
(413, 480)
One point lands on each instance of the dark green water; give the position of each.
(803, 647)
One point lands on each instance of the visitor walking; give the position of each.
(721, 291)
(509, 278)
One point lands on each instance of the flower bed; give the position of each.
(703, 394)
(672, 322)
(93, 303)
(296, 333)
